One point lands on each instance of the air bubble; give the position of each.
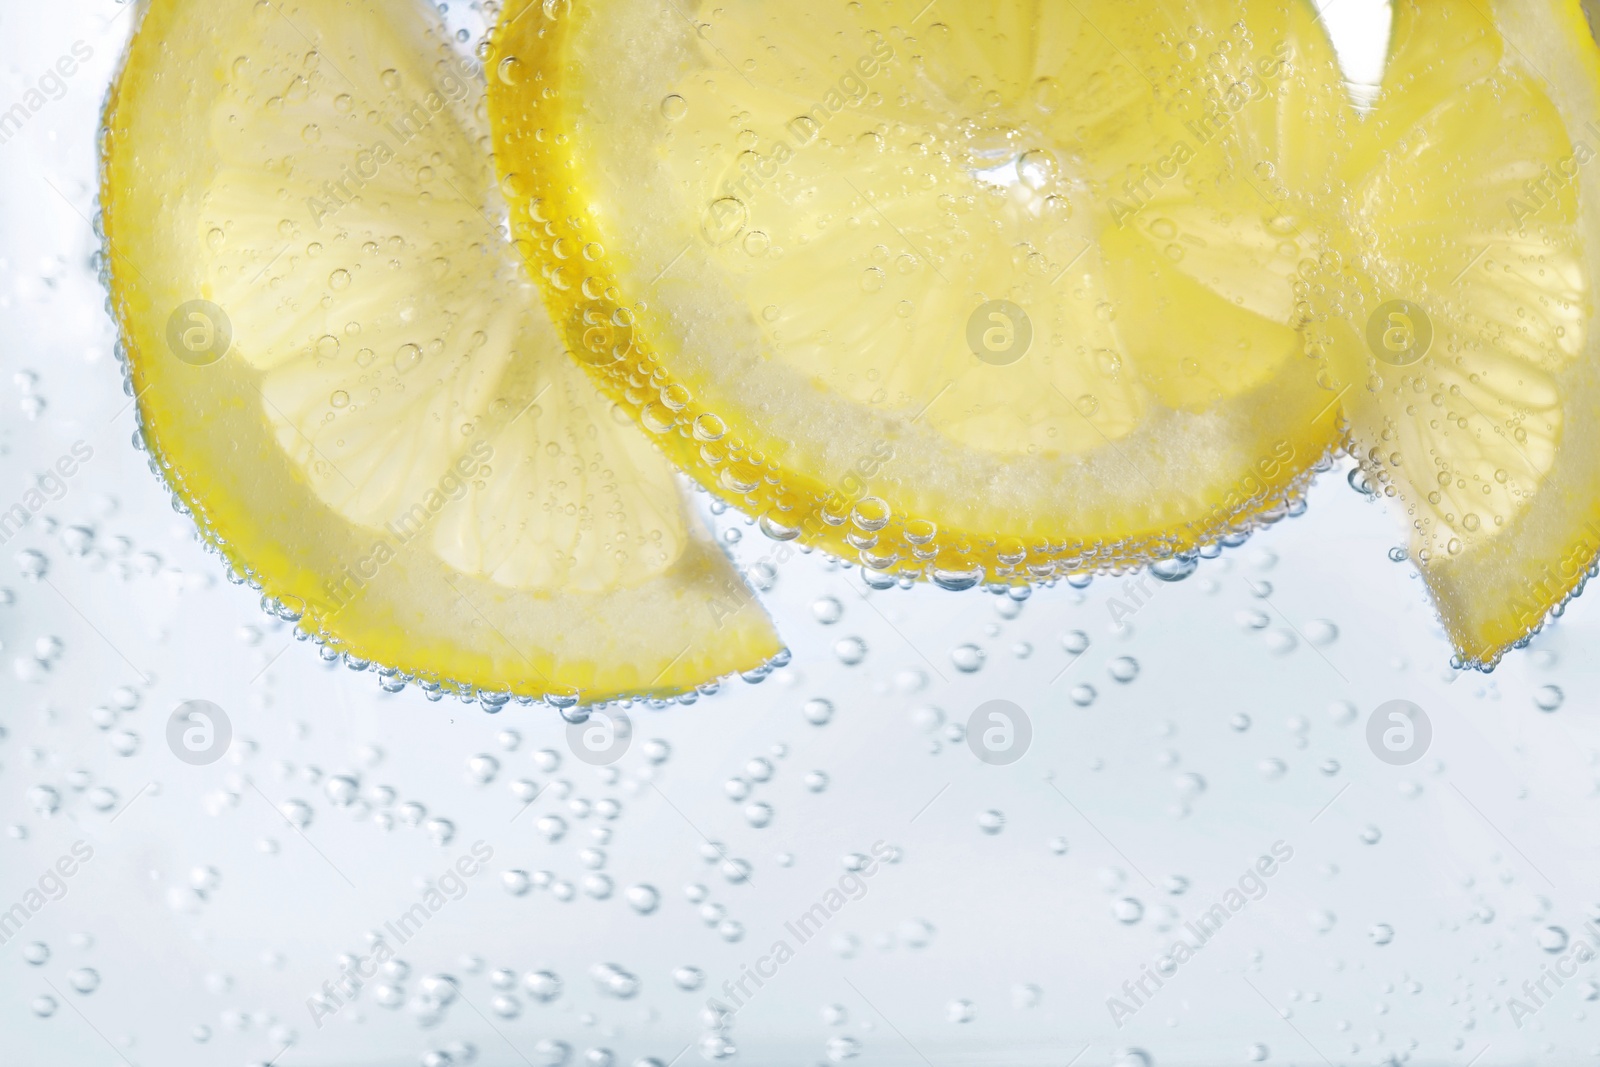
(1548, 697)
(642, 898)
(818, 712)
(827, 610)
(967, 658)
(1127, 910)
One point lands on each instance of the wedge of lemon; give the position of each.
(1459, 325)
(341, 372)
(971, 291)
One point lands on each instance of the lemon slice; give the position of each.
(969, 291)
(1460, 324)
(343, 370)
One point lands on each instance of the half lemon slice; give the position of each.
(963, 291)
(343, 371)
(1459, 322)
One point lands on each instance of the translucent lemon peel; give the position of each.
(1457, 322)
(963, 292)
(344, 373)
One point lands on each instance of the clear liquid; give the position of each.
(812, 869)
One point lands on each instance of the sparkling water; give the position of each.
(1234, 810)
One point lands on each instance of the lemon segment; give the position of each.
(343, 370)
(1460, 324)
(965, 291)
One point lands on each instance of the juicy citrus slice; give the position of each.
(1460, 331)
(340, 371)
(961, 290)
